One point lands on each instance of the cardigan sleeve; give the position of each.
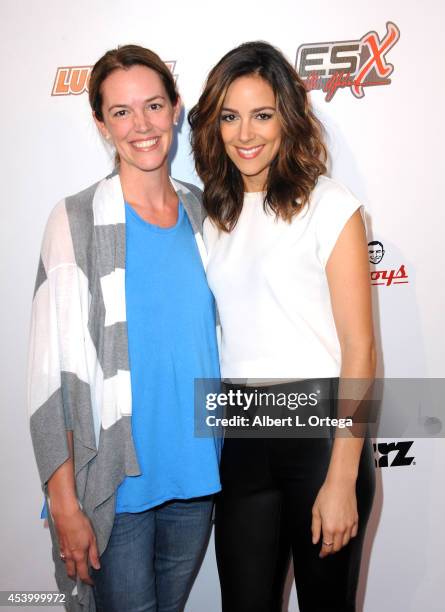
(54, 322)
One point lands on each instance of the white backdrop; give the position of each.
(386, 146)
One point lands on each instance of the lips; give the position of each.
(250, 152)
(145, 145)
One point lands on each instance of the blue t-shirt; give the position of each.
(171, 341)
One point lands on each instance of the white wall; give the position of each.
(387, 147)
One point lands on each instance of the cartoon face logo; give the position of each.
(375, 251)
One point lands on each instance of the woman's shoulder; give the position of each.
(191, 197)
(70, 221)
(329, 189)
(79, 204)
(83, 199)
(331, 198)
(331, 205)
(189, 188)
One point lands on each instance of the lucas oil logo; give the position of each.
(73, 80)
(355, 64)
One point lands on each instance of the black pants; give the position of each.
(263, 515)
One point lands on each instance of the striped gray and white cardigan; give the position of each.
(78, 374)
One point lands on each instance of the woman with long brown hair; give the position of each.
(123, 322)
(288, 267)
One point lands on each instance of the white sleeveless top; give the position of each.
(268, 278)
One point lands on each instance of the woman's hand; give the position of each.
(77, 544)
(334, 515)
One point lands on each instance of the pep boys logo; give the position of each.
(353, 63)
(376, 252)
(73, 80)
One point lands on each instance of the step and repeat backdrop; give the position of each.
(374, 71)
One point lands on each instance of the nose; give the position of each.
(245, 130)
(141, 122)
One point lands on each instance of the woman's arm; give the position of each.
(76, 537)
(335, 509)
(55, 321)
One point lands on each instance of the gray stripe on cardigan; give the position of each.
(41, 276)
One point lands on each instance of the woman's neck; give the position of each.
(147, 190)
(255, 183)
(151, 194)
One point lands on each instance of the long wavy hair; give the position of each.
(301, 158)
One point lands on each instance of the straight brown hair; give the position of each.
(124, 58)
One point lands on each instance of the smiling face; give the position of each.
(138, 118)
(250, 129)
(375, 252)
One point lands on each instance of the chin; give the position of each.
(252, 172)
(248, 170)
(149, 165)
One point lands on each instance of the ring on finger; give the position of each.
(62, 556)
(327, 543)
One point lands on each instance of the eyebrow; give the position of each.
(157, 97)
(254, 110)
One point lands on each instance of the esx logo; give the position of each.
(397, 451)
(355, 64)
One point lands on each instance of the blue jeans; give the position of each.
(152, 557)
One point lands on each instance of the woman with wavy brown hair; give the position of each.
(288, 267)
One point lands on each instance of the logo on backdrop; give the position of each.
(393, 454)
(376, 251)
(355, 64)
(73, 80)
